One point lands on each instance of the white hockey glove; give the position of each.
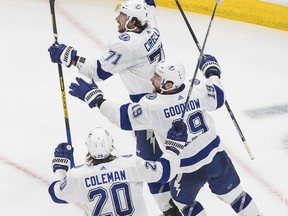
(176, 137)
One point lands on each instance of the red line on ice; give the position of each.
(29, 173)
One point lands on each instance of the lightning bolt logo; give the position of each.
(177, 184)
(151, 137)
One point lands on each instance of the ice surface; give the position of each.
(254, 61)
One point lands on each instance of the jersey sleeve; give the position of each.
(131, 116)
(64, 190)
(214, 96)
(162, 170)
(116, 58)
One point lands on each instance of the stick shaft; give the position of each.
(194, 77)
(200, 56)
(61, 79)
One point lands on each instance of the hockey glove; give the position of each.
(209, 66)
(176, 137)
(62, 54)
(63, 154)
(88, 92)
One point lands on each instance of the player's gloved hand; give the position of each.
(62, 54)
(88, 92)
(63, 154)
(209, 66)
(177, 137)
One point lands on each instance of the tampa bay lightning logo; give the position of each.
(124, 37)
(151, 96)
(196, 81)
(171, 68)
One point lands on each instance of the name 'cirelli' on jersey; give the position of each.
(131, 55)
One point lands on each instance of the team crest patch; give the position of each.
(196, 81)
(151, 96)
(124, 37)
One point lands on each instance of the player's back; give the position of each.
(163, 109)
(103, 190)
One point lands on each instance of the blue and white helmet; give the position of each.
(99, 143)
(135, 8)
(170, 71)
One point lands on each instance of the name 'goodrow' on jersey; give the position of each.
(178, 109)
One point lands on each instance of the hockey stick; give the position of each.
(61, 79)
(201, 53)
(199, 59)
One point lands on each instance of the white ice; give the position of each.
(253, 58)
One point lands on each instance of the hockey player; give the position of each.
(108, 184)
(203, 160)
(133, 54)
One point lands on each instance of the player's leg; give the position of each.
(174, 211)
(225, 183)
(163, 198)
(148, 149)
(184, 189)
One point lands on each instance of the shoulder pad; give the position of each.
(151, 96)
(124, 37)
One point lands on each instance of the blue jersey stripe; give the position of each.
(220, 96)
(166, 170)
(201, 154)
(136, 97)
(103, 75)
(125, 123)
(52, 194)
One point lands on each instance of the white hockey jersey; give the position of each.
(113, 188)
(158, 111)
(131, 55)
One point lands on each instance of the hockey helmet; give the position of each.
(99, 143)
(135, 8)
(170, 71)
